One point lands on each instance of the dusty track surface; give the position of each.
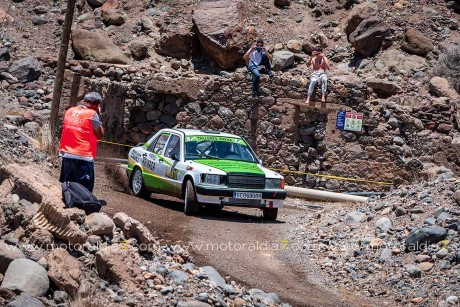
(227, 240)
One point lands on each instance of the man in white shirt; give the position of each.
(258, 59)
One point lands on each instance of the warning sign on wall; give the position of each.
(349, 121)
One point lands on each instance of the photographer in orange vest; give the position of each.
(80, 131)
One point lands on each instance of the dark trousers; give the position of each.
(256, 73)
(80, 171)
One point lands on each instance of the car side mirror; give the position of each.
(175, 156)
(139, 144)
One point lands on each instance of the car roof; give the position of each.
(188, 132)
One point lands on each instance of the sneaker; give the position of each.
(255, 96)
(270, 74)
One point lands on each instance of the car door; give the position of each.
(173, 167)
(152, 162)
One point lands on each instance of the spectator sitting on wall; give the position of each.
(320, 64)
(258, 59)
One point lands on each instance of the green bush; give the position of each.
(448, 66)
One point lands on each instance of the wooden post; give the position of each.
(57, 91)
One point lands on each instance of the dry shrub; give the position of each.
(448, 66)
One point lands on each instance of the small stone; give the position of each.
(452, 300)
(422, 258)
(376, 243)
(414, 272)
(417, 300)
(443, 252)
(425, 266)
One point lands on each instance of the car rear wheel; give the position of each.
(270, 214)
(191, 205)
(137, 184)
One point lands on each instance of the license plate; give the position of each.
(247, 195)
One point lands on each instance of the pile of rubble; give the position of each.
(404, 245)
(51, 256)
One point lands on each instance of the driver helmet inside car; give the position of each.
(223, 149)
(191, 148)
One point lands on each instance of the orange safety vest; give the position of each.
(78, 137)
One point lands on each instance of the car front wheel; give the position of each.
(137, 184)
(191, 205)
(270, 214)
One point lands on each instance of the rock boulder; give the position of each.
(282, 60)
(99, 224)
(359, 13)
(222, 38)
(8, 253)
(26, 276)
(176, 42)
(64, 270)
(96, 46)
(369, 36)
(26, 69)
(416, 42)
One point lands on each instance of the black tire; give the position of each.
(270, 214)
(136, 183)
(191, 205)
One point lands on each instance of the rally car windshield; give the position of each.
(222, 148)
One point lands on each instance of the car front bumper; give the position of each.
(223, 196)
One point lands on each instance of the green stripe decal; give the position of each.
(230, 166)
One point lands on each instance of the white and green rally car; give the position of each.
(209, 168)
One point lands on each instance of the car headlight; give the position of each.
(213, 179)
(274, 183)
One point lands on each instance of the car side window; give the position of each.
(158, 145)
(173, 146)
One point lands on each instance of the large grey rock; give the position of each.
(214, 276)
(96, 46)
(384, 88)
(99, 224)
(369, 36)
(26, 276)
(395, 60)
(264, 298)
(282, 59)
(8, 253)
(420, 238)
(179, 277)
(26, 69)
(25, 300)
(383, 225)
(359, 13)
(355, 217)
(416, 42)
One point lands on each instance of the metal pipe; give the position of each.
(322, 195)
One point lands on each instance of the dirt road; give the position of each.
(237, 242)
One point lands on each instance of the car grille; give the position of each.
(246, 181)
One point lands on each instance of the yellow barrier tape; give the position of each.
(115, 143)
(295, 172)
(332, 177)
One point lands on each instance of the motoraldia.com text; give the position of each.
(271, 246)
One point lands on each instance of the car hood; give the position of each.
(230, 166)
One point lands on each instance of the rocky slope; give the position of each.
(51, 256)
(404, 245)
